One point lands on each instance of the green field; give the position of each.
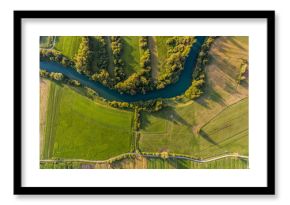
(226, 163)
(76, 127)
(169, 130)
(171, 163)
(131, 53)
(172, 130)
(54, 99)
(68, 45)
(162, 50)
(46, 41)
(79, 128)
(229, 129)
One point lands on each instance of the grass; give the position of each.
(159, 163)
(110, 54)
(54, 98)
(79, 128)
(131, 53)
(172, 133)
(214, 124)
(176, 128)
(162, 50)
(229, 129)
(226, 163)
(172, 130)
(68, 45)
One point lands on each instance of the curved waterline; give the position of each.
(172, 90)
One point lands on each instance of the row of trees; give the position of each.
(90, 92)
(74, 83)
(118, 104)
(139, 82)
(148, 106)
(103, 77)
(243, 71)
(178, 50)
(52, 75)
(195, 90)
(137, 119)
(83, 57)
(56, 56)
(116, 45)
(100, 54)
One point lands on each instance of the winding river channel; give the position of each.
(169, 91)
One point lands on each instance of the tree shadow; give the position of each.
(230, 88)
(235, 42)
(205, 136)
(129, 50)
(202, 101)
(168, 114)
(245, 162)
(144, 120)
(178, 163)
(223, 65)
(210, 94)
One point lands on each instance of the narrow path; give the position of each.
(154, 56)
(152, 156)
(111, 64)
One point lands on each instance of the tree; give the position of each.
(56, 76)
(100, 54)
(178, 50)
(43, 73)
(74, 82)
(194, 90)
(82, 57)
(164, 155)
(90, 92)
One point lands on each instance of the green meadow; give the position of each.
(79, 128)
(172, 130)
(131, 53)
(68, 45)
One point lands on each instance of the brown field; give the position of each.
(225, 58)
(44, 92)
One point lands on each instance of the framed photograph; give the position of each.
(144, 102)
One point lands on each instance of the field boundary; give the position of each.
(229, 106)
(126, 155)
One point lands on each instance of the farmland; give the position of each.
(172, 130)
(44, 94)
(78, 128)
(68, 45)
(81, 128)
(181, 129)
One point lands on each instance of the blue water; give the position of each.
(169, 91)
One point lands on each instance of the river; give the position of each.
(169, 91)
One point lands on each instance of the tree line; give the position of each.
(52, 75)
(178, 49)
(56, 56)
(140, 82)
(117, 48)
(198, 76)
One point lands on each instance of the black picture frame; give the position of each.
(268, 190)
